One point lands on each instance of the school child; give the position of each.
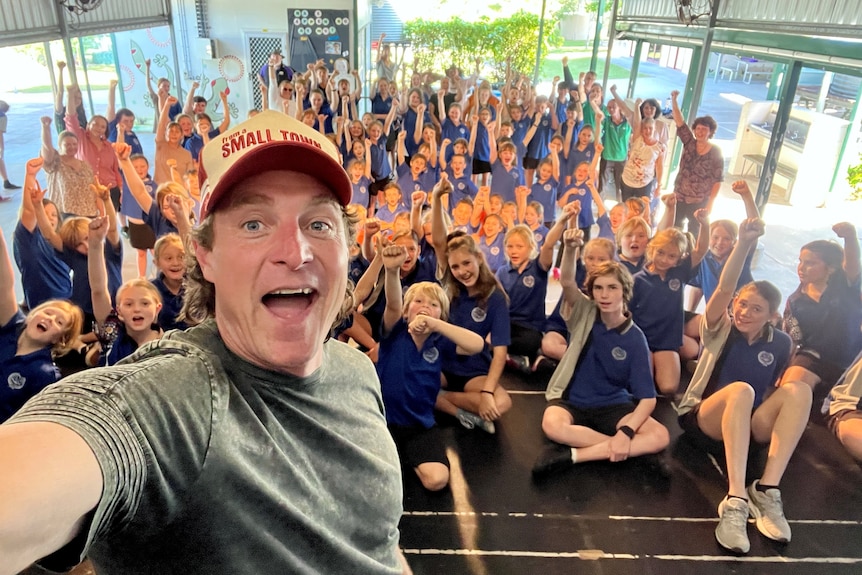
(44, 276)
(632, 238)
(352, 140)
(415, 109)
(141, 236)
(491, 243)
(452, 129)
(394, 205)
(525, 279)
(657, 303)
(381, 170)
(429, 176)
(460, 147)
(28, 345)
(471, 384)
(538, 138)
(544, 189)
(823, 315)
(360, 177)
(581, 150)
(533, 218)
(509, 213)
(123, 328)
(600, 398)
(520, 126)
(461, 216)
(584, 177)
(71, 246)
(732, 399)
(168, 212)
(481, 135)
(169, 260)
(455, 169)
(843, 408)
(506, 176)
(204, 131)
(414, 334)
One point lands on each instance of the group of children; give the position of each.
(452, 270)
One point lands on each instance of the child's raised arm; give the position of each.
(702, 246)
(393, 257)
(847, 232)
(439, 233)
(467, 342)
(133, 180)
(99, 291)
(741, 188)
(28, 215)
(546, 254)
(749, 231)
(8, 303)
(45, 227)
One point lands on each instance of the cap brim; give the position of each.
(283, 155)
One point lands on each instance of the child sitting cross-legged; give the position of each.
(414, 334)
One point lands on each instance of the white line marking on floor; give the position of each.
(592, 554)
(525, 392)
(515, 515)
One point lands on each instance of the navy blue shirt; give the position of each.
(161, 225)
(488, 318)
(453, 132)
(380, 168)
(708, 271)
(504, 182)
(759, 364)
(81, 295)
(614, 368)
(495, 255)
(196, 143)
(527, 291)
(410, 377)
(360, 194)
(462, 187)
(172, 304)
(21, 376)
(129, 137)
(546, 194)
(44, 275)
(539, 145)
(521, 127)
(656, 305)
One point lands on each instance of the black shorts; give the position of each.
(602, 419)
(481, 166)
(115, 198)
(530, 163)
(141, 236)
(417, 445)
(844, 415)
(392, 139)
(810, 360)
(377, 186)
(456, 382)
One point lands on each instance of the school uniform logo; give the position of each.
(495, 251)
(461, 185)
(478, 314)
(529, 281)
(362, 189)
(16, 381)
(514, 174)
(430, 355)
(547, 187)
(538, 238)
(618, 353)
(674, 284)
(765, 358)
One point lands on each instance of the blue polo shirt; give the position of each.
(759, 364)
(582, 193)
(429, 178)
(656, 305)
(577, 157)
(196, 143)
(356, 268)
(831, 326)
(360, 194)
(539, 145)
(129, 137)
(161, 225)
(539, 234)
(409, 128)
(387, 214)
(482, 146)
(129, 206)
(408, 183)
(564, 130)
(81, 295)
(495, 255)
(614, 368)
(521, 127)
(488, 318)
(380, 168)
(633, 267)
(462, 187)
(527, 291)
(44, 276)
(410, 377)
(453, 132)
(708, 271)
(21, 376)
(504, 182)
(546, 194)
(605, 229)
(172, 304)
(379, 105)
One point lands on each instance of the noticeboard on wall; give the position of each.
(318, 35)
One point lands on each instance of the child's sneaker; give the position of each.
(768, 513)
(733, 520)
(471, 421)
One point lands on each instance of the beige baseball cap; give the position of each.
(269, 141)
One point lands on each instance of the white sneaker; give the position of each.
(768, 513)
(733, 519)
(471, 420)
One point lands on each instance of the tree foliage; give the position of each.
(437, 45)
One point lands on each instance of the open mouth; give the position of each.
(290, 300)
(42, 327)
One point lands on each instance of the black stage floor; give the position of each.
(620, 519)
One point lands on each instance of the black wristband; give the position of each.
(486, 391)
(628, 431)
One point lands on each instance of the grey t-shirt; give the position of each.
(212, 465)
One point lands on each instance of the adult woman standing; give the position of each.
(701, 167)
(95, 149)
(69, 178)
(643, 170)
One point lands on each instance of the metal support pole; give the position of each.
(703, 63)
(777, 140)
(539, 47)
(175, 54)
(636, 64)
(611, 35)
(86, 75)
(117, 68)
(598, 38)
(776, 81)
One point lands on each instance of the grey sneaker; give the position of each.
(733, 518)
(471, 420)
(768, 513)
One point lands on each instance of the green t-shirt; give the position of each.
(212, 465)
(615, 139)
